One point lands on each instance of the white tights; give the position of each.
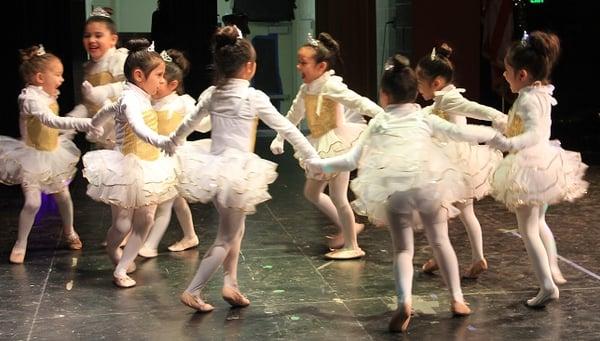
(436, 230)
(163, 218)
(335, 205)
(224, 251)
(139, 221)
(549, 243)
(471, 223)
(31, 206)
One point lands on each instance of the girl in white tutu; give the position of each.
(536, 172)
(322, 100)
(402, 170)
(435, 74)
(134, 177)
(171, 105)
(230, 175)
(43, 160)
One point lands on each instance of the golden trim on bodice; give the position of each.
(326, 120)
(40, 136)
(166, 124)
(134, 145)
(514, 126)
(441, 114)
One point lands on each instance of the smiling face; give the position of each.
(517, 79)
(97, 39)
(307, 65)
(51, 78)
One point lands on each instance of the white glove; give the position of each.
(94, 133)
(69, 134)
(166, 145)
(314, 165)
(500, 125)
(277, 146)
(177, 141)
(499, 142)
(96, 94)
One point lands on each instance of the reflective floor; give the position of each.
(296, 294)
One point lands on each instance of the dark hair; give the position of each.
(537, 54)
(176, 69)
(326, 50)
(34, 60)
(437, 65)
(399, 80)
(140, 58)
(230, 53)
(110, 24)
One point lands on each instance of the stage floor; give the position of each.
(59, 294)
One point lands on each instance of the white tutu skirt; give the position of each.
(335, 142)
(478, 162)
(543, 174)
(395, 178)
(234, 178)
(128, 181)
(51, 171)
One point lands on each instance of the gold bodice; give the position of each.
(100, 78)
(442, 114)
(134, 145)
(514, 126)
(39, 136)
(166, 124)
(326, 120)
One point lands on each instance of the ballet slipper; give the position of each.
(400, 319)
(460, 308)
(195, 302)
(337, 241)
(430, 266)
(543, 298)
(343, 254)
(558, 278)
(184, 244)
(147, 252)
(234, 297)
(131, 268)
(73, 242)
(476, 269)
(17, 255)
(124, 281)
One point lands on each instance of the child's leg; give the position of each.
(33, 200)
(120, 227)
(550, 245)
(338, 190)
(403, 245)
(471, 223)
(436, 230)
(313, 191)
(161, 222)
(143, 219)
(529, 226)
(65, 207)
(184, 216)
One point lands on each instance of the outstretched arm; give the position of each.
(194, 118)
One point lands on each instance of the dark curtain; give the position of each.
(58, 25)
(187, 26)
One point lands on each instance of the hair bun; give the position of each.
(135, 45)
(444, 50)
(400, 62)
(327, 40)
(226, 35)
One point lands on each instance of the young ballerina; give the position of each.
(400, 170)
(322, 100)
(536, 172)
(43, 160)
(230, 175)
(134, 177)
(435, 74)
(171, 105)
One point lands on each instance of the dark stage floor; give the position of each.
(296, 293)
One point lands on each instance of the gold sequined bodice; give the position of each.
(442, 114)
(166, 124)
(326, 120)
(134, 145)
(39, 136)
(514, 126)
(100, 78)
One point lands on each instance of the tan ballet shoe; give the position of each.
(17, 255)
(184, 244)
(430, 266)
(543, 298)
(73, 242)
(400, 319)
(476, 269)
(460, 308)
(147, 252)
(124, 282)
(195, 302)
(344, 254)
(234, 297)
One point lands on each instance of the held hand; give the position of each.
(499, 125)
(314, 165)
(177, 141)
(94, 132)
(499, 142)
(167, 146)
(277, 146)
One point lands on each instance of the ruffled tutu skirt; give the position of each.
(407, 179)
(542, 174)
(335, 142)
(51, 171)
(478, 162)
(234, 178)
(128, 181)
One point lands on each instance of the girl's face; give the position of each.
(51, 78)
(517, 79)
(307, 66)
(154, 80)
(427, 87)
(165, 89)
(97, 39)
